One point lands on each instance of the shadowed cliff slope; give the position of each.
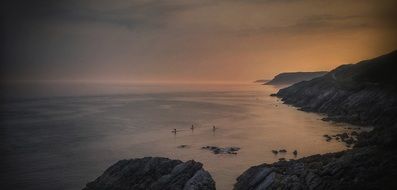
(363, 93)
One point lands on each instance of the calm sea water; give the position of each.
(61, 137)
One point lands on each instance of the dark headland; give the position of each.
(294, 77)
(363, 94)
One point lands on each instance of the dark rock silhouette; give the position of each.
(327, 137)
(154, 173)
(220, 150)
(360, 168)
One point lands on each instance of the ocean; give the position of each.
(63, 136)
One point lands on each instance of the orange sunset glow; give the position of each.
(223, 41)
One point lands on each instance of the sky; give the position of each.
(189, 40)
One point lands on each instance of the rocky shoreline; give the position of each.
(362, 94)
(348, 138)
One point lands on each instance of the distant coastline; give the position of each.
(261, 81)
(289, 78)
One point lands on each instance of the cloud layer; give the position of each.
(224, 40)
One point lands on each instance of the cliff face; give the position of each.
(294, 77)
(363, 94)
(154, 173)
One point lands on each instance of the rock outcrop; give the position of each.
(220, 150)
(365, 94)
(360, 168)
(294, 77)
(154, 173)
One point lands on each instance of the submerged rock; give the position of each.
(219, 150)
(154, 173)
(349, 140)
(344, 137)
(327, 138)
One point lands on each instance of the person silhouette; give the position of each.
(192, 127)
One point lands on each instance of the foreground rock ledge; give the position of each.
(359, 168)
(154, 173)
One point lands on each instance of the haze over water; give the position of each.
(63, 142)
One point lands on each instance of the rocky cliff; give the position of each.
(294, 77)
(154, 173)
(363, 94)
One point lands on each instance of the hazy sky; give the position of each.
(189, 40)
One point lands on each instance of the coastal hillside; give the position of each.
(294, 77)
(363, 94)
